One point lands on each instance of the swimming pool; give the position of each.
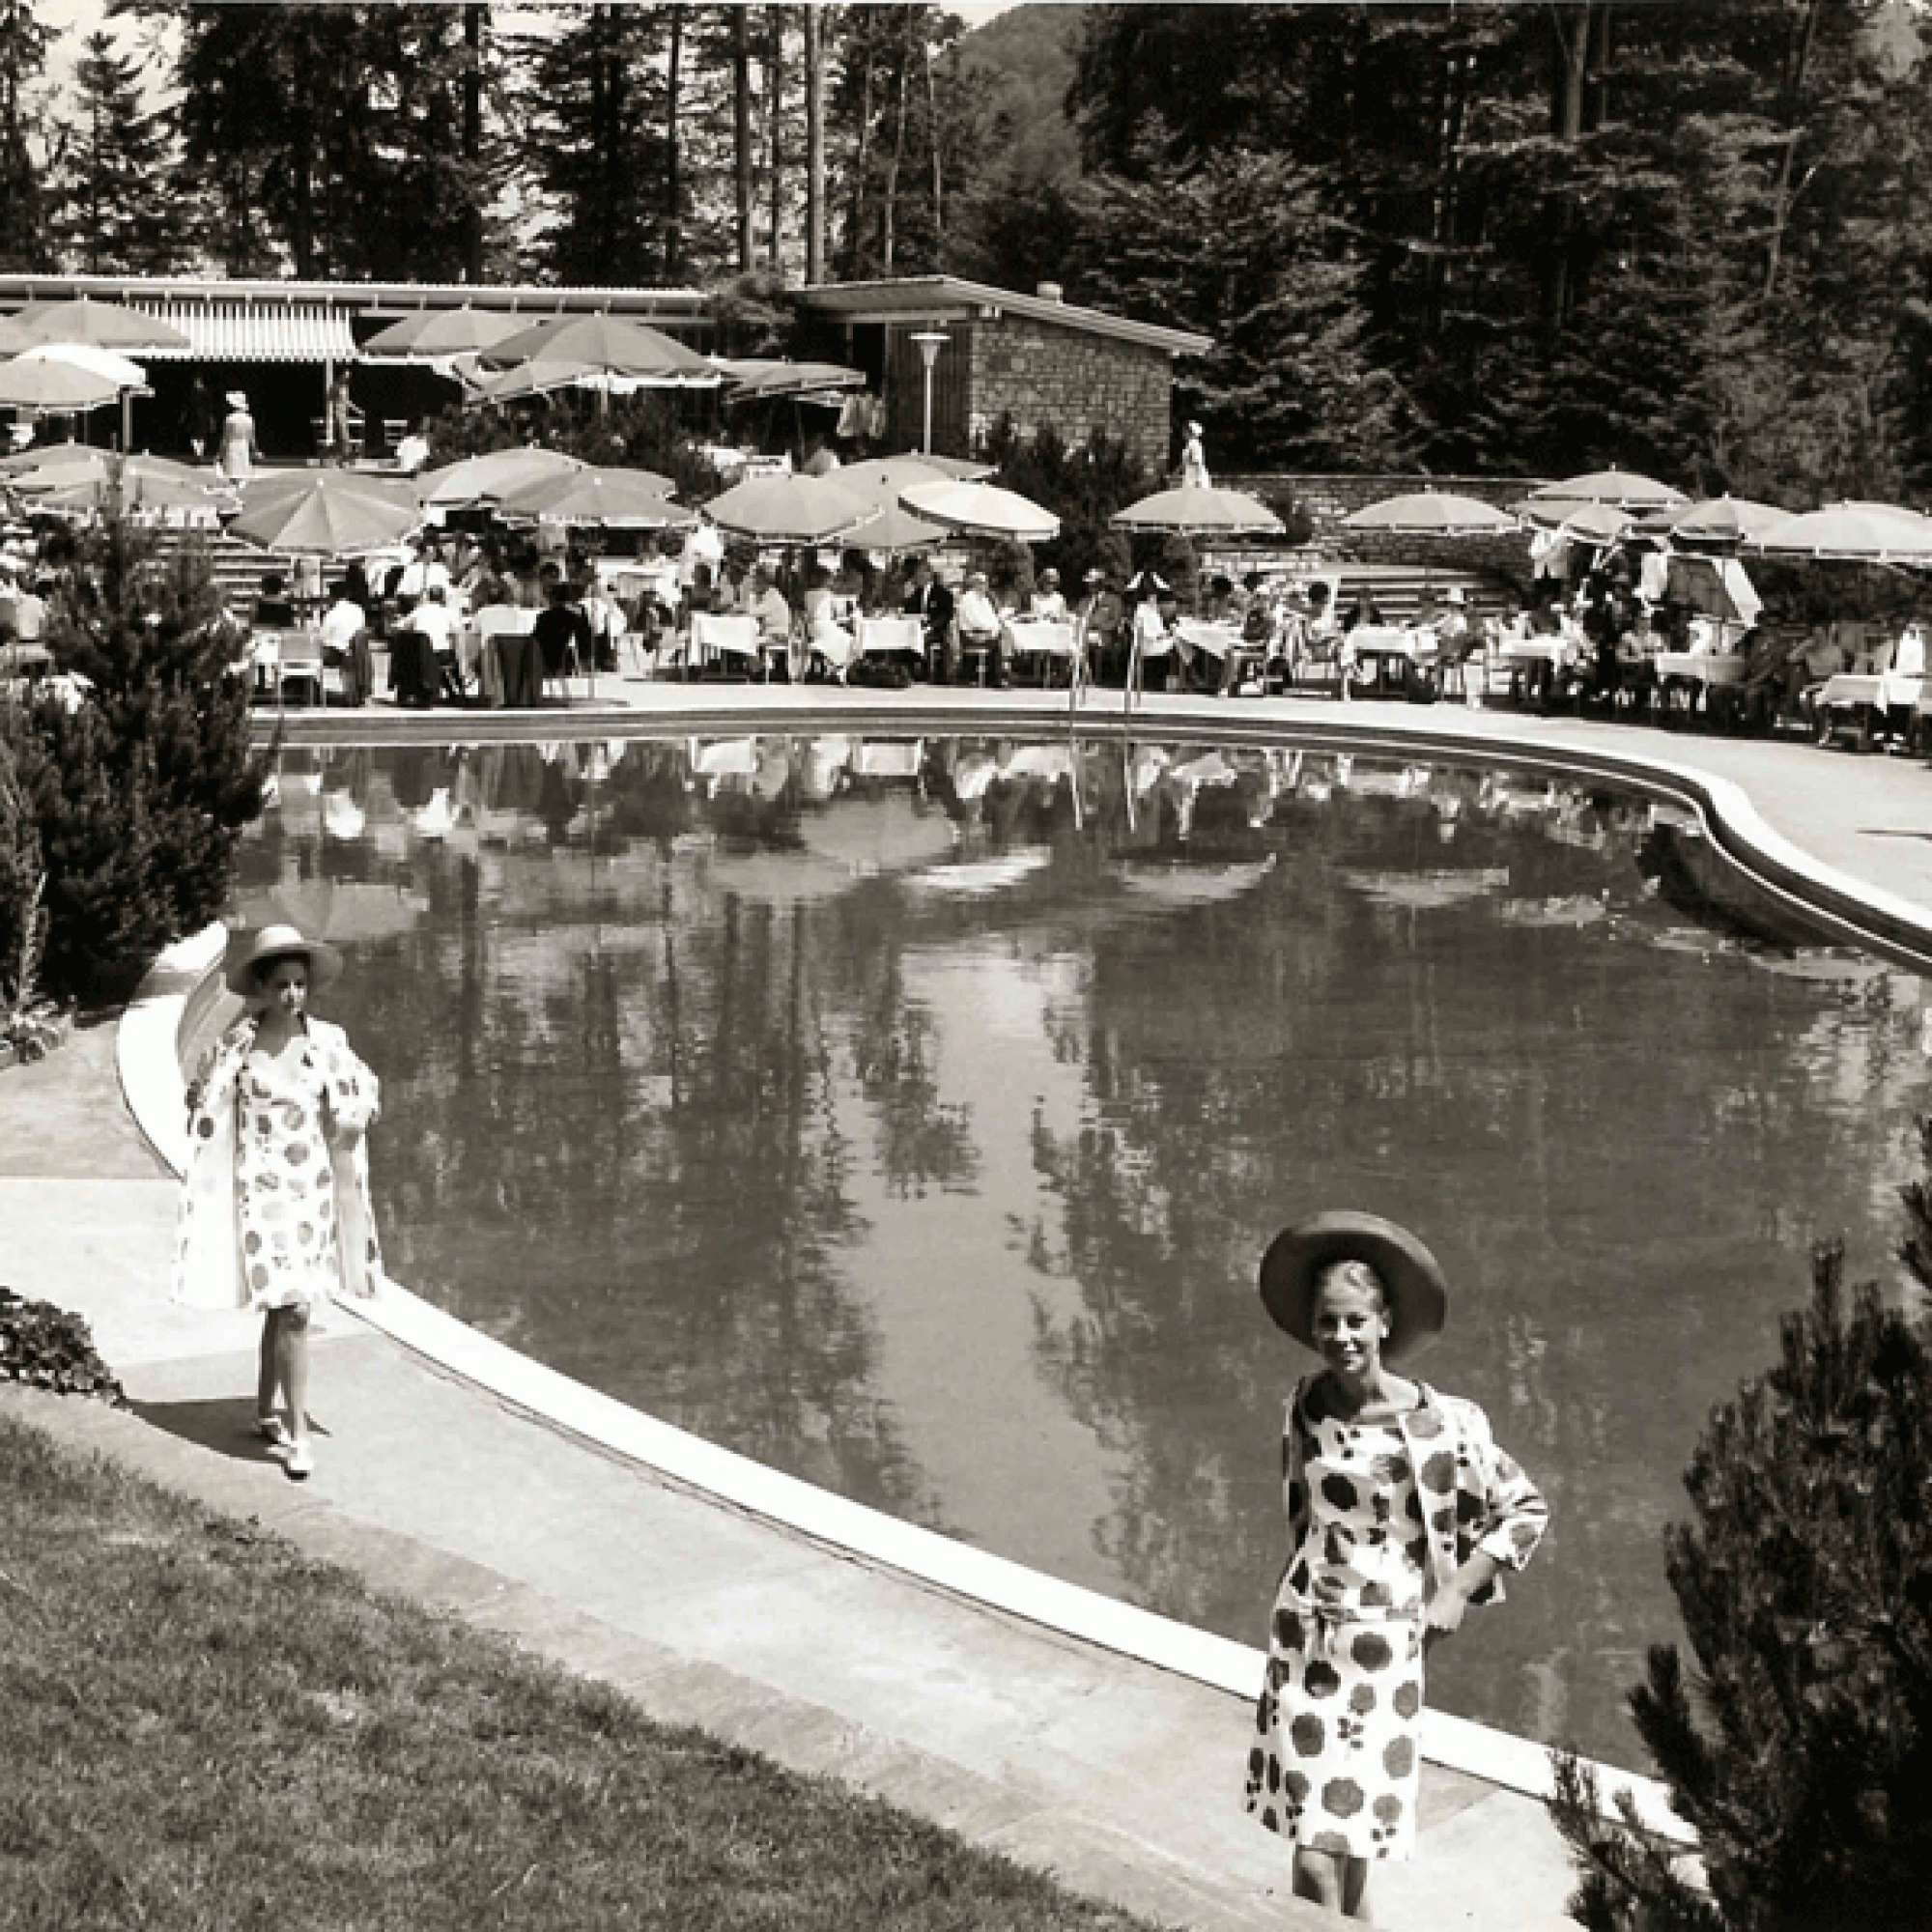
(911, 1114)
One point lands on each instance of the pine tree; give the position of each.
(22, 920)
(142, 792)
(113, 212)
(24, 51)
(1801, 1755)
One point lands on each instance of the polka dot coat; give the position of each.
(1379, 1517)
(276, 1210)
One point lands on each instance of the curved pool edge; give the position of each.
(149, 1060)
(1853, 910)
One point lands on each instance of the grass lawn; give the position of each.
(202, 1728)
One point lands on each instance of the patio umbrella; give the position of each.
(71, 462)
(1431, 513)
(894, 531)
(271, 484)
(1852, 533)
(430, 335)
(540, 379)
(1199, 510)
(610, 345)
(102, 362)
(80, 492)
(981, 508)
(1725, 520)
(1589, 522)
(57, 387)
(326, 518)
(605, 499)
(791, 510)
(884, 476)
(101, 325)
(484, 479)
(762, 379)
(1626, 489)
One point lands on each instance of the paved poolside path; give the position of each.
(1119, 1776)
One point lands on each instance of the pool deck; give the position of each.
(1121, 1776)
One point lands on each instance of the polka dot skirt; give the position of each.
(285, 1187)
(1334, 1762)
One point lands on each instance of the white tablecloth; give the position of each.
(1701, 667)
(1882, 689)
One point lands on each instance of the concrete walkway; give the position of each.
(1120, 1777)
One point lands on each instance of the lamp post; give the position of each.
(931, 341)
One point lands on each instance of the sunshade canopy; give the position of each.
(1626, 489)
(102, 362)
(981, 508)
(1852, 532)
(791, 509)
(1436, 513)
(434, 333)
(1196, 509)
(600, 499)
(53, 386)
(1725, 520)
(610, 345)
(1590, 523)
(764, 380)
(102, 325)
(484, 479)
(326, 518)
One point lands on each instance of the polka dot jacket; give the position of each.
(209, 1264)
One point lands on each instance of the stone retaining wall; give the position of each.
(1328, 498)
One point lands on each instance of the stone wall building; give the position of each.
(1036, 357)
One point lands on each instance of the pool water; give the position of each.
(911, 1116)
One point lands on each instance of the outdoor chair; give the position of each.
(294, 657)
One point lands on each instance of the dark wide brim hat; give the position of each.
(248, 952)
(1412, 1278)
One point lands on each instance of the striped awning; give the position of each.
(254, 331)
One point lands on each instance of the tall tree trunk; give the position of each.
(673, 223)
(740, 95)
(1572, 27)
(890, 209)
(938, 161)
(815, 146)
(473, 142)
(603, 195)
(1797, 62)
(774, 19)
(857, 225)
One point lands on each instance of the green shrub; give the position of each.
(48, 1348)
(140, 794)
(22, 874)
(1802, 1749)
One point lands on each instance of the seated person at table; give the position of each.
(562, 633)
(1363, 610)
(274, 608)
(1047, 605)
(1153, 626)
(826, 638)
(977, 626)
(1220, 606)
(1811, 666)
(931, 603)
(766, 607)
(434, 621)
(1908, 655)
(1103, 618)
(345, 645)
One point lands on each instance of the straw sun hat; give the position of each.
(1411, 1277)
(247, 956)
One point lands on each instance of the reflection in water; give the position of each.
(911, 1114)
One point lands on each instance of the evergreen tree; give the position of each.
(24, 51)
(1804, 1755)
(142, 792)
(22, 920)
(113, 210)
(1241, 248)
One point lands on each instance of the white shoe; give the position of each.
(300, 1462)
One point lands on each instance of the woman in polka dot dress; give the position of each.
(276, 1210)
(1401, 1512)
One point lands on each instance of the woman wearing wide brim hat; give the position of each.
(275, 1209)
(235, 454)
(1402, 1513)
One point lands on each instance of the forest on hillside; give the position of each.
(1693, 236)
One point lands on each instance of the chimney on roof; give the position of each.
(1050, 292)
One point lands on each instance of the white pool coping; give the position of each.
(153, 1082)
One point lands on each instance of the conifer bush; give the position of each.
(1799, 1742)
(140, 794)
